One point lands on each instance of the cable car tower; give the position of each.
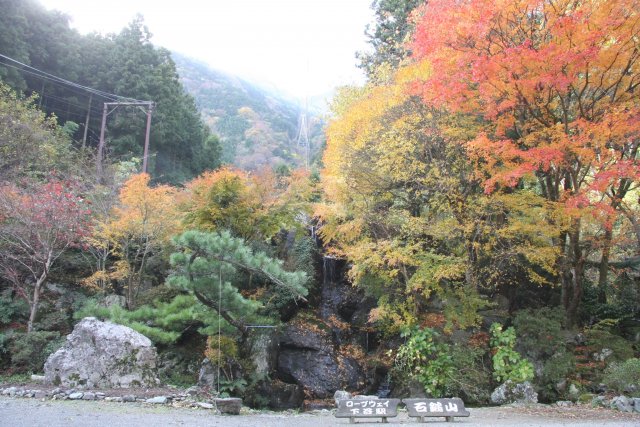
(303, 135)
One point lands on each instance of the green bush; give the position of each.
(12, 310)
(599, 339)
(424, 359)
(624, 377)
(540, 338)
(508, 364)
(30, 350)
(540, 332)
(470, 377)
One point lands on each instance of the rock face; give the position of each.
(510, 392)
(275, 395)
(102, 354)
(308, 357)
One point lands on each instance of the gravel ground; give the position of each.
(17, 412)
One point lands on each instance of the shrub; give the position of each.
(624, 377)
(540, 332)
(30, 350)
(470, 377)
(424, 359)
(599, 339)
(12, 310)
(540, 338)
(508, 364)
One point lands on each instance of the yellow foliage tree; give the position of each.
(138, 228)
(253, 206)
(403, 204)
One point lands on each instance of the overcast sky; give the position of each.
(303, 47)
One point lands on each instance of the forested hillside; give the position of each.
(473, 229)
(120, 67)
(256, 128)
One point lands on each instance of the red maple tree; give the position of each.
(36, 227)
(556, 84)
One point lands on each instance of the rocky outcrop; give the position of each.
(309, 357)
(102, 354)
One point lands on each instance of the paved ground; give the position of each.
(18, 412)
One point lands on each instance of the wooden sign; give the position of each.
(448, 408)
(367, 408)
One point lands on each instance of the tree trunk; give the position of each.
(33, 307)
(573, 276)
(603, 269)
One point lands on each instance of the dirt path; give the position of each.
(16, 412)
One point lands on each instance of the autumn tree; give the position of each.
(557, 85)
(403, 205)
(137, 230)
(253, 206)
(37, 226)
(31, 144)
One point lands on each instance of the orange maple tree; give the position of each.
(556, 83)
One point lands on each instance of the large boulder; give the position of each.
(510, 392)
(102, 354)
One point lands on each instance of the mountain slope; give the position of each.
(256, 128)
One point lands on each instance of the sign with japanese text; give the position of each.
(435, 407)
(367, 408)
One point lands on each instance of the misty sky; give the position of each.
(303, 47)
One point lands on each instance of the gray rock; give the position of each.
(204, 405)
(208, 375)
(40, 394)
(308, 357)
(636, 404)
(622, 404)
(340, 395)
(76, 396)
(103, 354)
(564, 403)
(602, 355)
(37, 378)
(230, 405)
(113, 399)
(89, 396)
(113, 301)
(510, 392)
(128, 398)
(574, 392)
(299, 335)
(158, 399)
(364, 397)
(192, 391)
(263, 351)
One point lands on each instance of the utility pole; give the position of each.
(146, 139)
(86, 122)
(105, 113)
